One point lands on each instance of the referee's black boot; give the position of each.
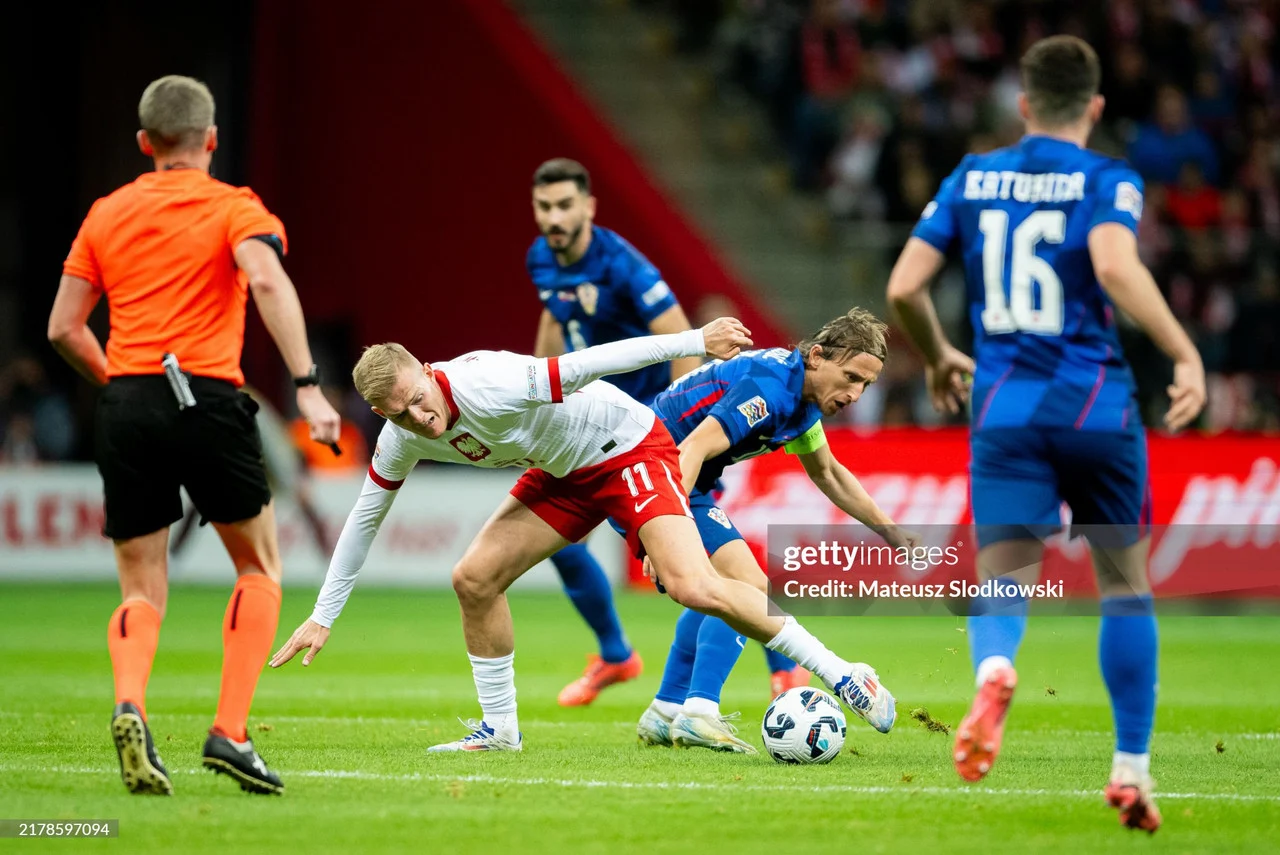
(140, 766)
(240, 761)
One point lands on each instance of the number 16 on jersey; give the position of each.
(1028, 273)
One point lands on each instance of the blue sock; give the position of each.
(684, 649)
(1127, 651)
(719, 647)
(996, 625)
(589, 589)
(777, 662)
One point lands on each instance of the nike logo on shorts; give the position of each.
(640, 506)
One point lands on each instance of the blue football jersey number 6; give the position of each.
(1019, 312)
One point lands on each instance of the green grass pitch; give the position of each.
(348, 736)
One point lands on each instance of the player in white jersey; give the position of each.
(595, 453)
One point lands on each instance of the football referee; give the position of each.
(176, 253)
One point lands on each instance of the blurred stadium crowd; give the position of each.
(875, 101)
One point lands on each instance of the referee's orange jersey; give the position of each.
(162, 249)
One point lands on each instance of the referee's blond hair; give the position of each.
(176, 111)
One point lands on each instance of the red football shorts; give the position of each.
(630, 489)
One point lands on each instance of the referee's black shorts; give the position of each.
(146, 448)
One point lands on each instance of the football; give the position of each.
(803, 726)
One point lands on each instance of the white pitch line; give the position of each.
(573, 783)
(540, 723)
(329, 720)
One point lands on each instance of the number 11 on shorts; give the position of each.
(641, 470)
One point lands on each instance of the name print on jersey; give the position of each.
(1024, 187)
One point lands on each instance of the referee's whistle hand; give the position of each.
(326, 424)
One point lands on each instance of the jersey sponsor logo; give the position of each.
(1129, 199)
(588, 296)
(469, 447)
(533, 383)
(1024, 187)
(754, 410)
(656, 294)
(377, 451)
(720, 516)
(566, 296)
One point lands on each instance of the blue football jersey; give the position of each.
(1045, 339)
(609, 294)
(755, 397)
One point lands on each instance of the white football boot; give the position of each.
(482, 738)
(704, 731)
(870, 701)
(654, 728)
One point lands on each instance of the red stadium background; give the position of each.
(428, 207)
(1215, 503)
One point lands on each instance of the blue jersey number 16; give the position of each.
(1019, 312)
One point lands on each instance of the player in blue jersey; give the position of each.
(597, 288)
(1047, 231)
(729, 411)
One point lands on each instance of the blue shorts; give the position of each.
(1019, 478)
(714, 526)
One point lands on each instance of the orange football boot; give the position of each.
(781, 681)
(979, 734)
(1131, 796)
(599, 676)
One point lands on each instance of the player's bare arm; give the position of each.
(844, 490)
(277, 302)
(948, 371)
(69, 331)
(1121, 273)
(550, 339)
(707, 440)
(674, 320)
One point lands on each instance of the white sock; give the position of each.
(496, 688)
(991, 663)
(701, 706)
(670, 709)
(1139, 763)
(797, 643)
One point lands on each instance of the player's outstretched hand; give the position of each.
(1186, 394)
(326, 424)
(725, 338)
(310, 637)
(949, 379)
(898, 537)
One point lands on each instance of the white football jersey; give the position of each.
(499, 416)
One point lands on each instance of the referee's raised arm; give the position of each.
(175, 253)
